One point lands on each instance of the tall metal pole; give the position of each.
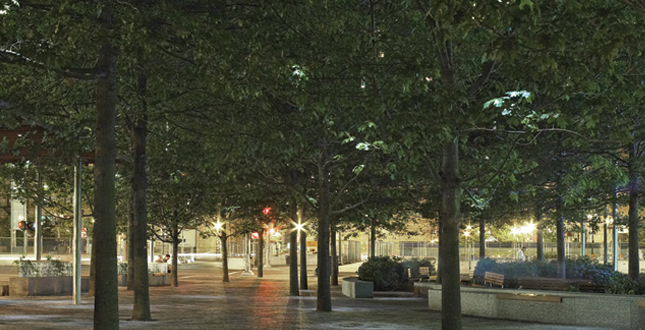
(38, 237)
(77, 231)
(614, 243)
(583, 239)
(604, 243)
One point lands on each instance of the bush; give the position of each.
(388, 274)
(621, 283)
(586, 268)
(483, 266)
(582, 268)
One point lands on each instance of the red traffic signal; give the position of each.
(22, 225)
(266, 210)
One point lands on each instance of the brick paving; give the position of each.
(202, 301)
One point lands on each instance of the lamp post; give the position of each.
(515, 231)
(468, 249)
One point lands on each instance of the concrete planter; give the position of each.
(355, 288)
(565, 308)
(45, 286)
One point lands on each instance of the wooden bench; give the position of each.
(494, 279)
(424, 274)
(545, 283)
(586, 286)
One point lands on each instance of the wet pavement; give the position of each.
(203, 301)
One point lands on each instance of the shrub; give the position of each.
(620, 283)
(388, 274)
(582, 268)
(483, 266)
(587, 268)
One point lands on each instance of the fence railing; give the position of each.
(508, 250)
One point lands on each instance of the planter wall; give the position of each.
(45, 286)
(566, 308)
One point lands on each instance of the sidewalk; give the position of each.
(202, 301)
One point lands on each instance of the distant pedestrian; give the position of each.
(167, 260)
(520, 254)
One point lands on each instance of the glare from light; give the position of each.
(469, 227)
(218, 226)
(589, 216)
(528, 228)
(299, 227)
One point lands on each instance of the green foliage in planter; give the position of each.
(388, 274)
(582, 268)
(586, 268)
(620, 283)
(483, 266)
(49, 268)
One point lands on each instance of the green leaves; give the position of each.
(524, 3)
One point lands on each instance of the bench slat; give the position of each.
(494, 279)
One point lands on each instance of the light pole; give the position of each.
(515, 231)
(466, 233)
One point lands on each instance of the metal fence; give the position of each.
(21, 245)
(508, 250)
(351, 252)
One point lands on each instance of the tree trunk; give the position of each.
(92, 289)
(634, 251)
(223, 238)
(334, 254)
(482, 237)
(440, 251)
(373, 239)
(540, 234)
(450, 290)
(175, 253)
(293, 253)
(141, 307)
(260, 253)
(605, 239)
(324, 285)
(303, 260)
(131, 243)
(560, 240)
(106, 303)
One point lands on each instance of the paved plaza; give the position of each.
(202, 301)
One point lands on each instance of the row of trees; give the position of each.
(354, 111)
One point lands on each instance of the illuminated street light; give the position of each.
(528, 228)
(300, 226)
(218, 226)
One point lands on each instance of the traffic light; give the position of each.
(31, 226)
(266, 210)
(22, 225)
